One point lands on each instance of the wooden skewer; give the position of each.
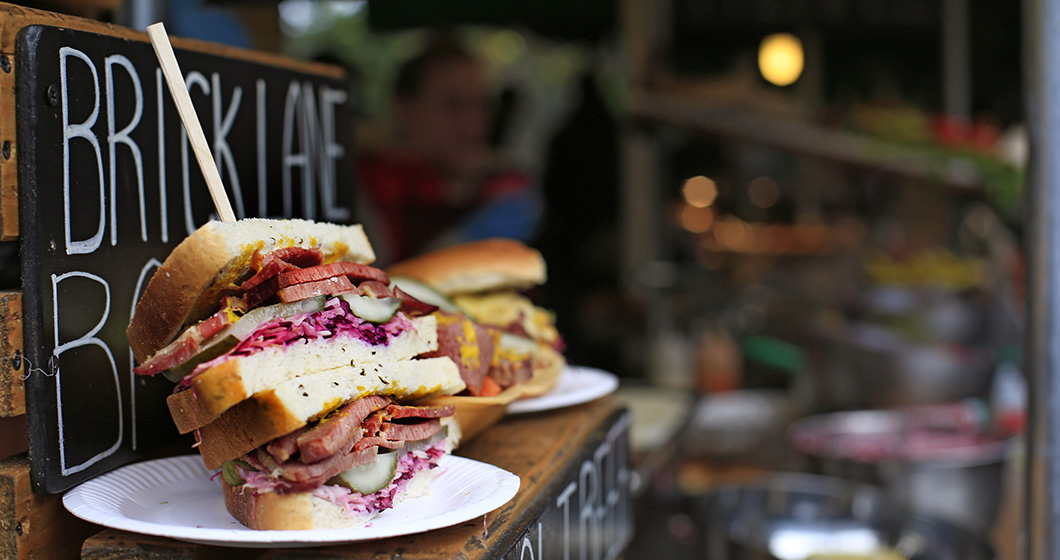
(179, 90)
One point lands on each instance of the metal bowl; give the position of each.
(925, 457)
(800, 516)
(869, 366)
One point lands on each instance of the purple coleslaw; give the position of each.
(334, 320)
(351, 502)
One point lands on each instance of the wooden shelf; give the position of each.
(957, 171)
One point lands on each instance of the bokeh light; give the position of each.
(780, 58)
(699, 191)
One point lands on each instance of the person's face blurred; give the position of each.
(447, 120)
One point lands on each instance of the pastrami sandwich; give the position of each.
(297, 367)
(498, 337)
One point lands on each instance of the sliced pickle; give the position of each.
(220, 345)
(425, 293)
(369, 478)
(247, 323)
(373, 310)
(230, 473)
(227, 339)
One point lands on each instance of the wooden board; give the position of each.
(560, 456)
(34, 526)
(106, 188)
(12, 363)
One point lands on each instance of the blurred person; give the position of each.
(440, 183)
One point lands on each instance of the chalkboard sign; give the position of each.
(590, 516)
(108, 186)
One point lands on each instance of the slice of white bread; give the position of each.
(303, 510)
(478, 266)
(186, 288)
(294, 403)
(236, 379)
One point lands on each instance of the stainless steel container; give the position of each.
(870, 366)
(800, 516)
(926, 461)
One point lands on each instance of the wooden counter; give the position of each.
(573, 501)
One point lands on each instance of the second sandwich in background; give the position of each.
(505, 346)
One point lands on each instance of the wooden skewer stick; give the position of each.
(179, 90)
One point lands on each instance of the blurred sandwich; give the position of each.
(497, 336)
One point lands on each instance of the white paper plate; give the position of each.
(175, 498)
(576, 385)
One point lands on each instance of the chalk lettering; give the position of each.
(80, 130)
(263, 198)
(122, 137)
(563, 501)
(300, 110)
(88, 339)
(329, 152)
(221, 152)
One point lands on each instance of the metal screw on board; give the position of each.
(5, 63)
(53, 95)
(16, 361)
(7, 149)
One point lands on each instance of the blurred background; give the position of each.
(793, 229)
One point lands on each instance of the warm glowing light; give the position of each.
(695, 219)
(699, 191)
(763, 192)
(780, 58)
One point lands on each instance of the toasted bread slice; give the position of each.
(294, 403)
(213, 259)
(237, 378)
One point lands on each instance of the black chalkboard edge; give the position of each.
(32, 317)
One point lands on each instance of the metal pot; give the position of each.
(922, 457)
(869, 366)
(799, 516)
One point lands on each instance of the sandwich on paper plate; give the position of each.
(505, 346)
(295, 365)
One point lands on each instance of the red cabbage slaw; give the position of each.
(353, 503)
(335, 319)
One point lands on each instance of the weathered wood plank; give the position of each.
(13, 436)
(33, 526)
(111, 544)
(12, 366)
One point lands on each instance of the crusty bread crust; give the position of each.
(303, 510)
(186, 287)
(478, 266)
(166, 303)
